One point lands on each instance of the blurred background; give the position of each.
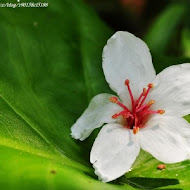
(163, 24)
(131, 15)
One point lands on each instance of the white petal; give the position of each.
(127, 57)
(99, 111)
(172, 90)
(114, 151)
(167, 138)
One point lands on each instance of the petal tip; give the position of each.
(74, 134)
(99, 173)
(78, 136)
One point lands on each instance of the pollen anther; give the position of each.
(150, 85)
(114, 99)
(127, 82)
(161, 111)
(135, 130)
(151, 102)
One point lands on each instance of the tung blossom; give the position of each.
(146, 114)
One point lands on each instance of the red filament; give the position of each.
(135, 119)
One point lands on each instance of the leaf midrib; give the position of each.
(58, 157)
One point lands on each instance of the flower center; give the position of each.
(136, 117)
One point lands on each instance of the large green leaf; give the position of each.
(50, 68)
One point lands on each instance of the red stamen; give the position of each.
(124, 113)
(152, 112)
(127, 115)
(115, 100)
(123, 106)
(145, 106)
(142, 94)
(130, 122)
(149, 87)
(142, 107)
(130, 93)
(136, 118)
(158, 111)
(140, 119)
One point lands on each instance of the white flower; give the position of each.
(137, 122)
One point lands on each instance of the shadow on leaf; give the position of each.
(142, 183)
(149, 183)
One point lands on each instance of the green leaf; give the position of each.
(50, 68)
(161, 62)
(185, 41)
(165, 28)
